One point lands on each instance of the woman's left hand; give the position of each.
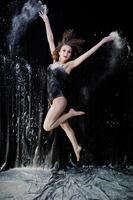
(108, 39)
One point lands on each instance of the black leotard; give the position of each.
(56, 77)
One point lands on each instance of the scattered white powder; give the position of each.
(118, 42)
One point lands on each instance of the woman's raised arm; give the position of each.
(49, 32)
(74, 63)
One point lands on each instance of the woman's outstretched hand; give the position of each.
(107, 39)
(43, 16)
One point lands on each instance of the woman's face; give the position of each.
(65, 53)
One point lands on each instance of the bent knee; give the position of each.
(46, 127)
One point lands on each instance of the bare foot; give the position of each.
(75, 113)
(77, 152)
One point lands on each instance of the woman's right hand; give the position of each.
(43, 16)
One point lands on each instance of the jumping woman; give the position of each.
(66, 56)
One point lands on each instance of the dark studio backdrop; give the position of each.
(101, 86)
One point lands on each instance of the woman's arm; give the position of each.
(74, 63)
(49, 32)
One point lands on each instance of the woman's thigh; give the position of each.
(56, 110)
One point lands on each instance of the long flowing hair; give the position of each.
(69, 38)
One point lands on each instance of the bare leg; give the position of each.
(64, 117)
(56, 116)
(71, 135)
